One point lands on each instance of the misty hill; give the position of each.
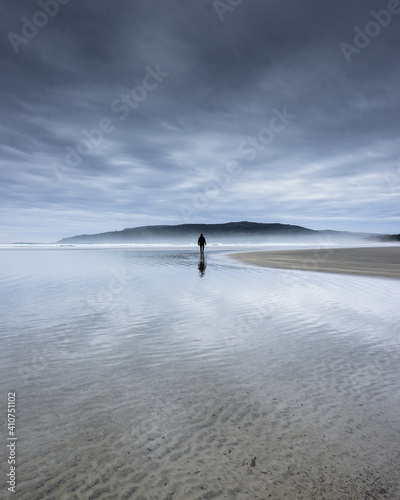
(387, 238)
(238, 231)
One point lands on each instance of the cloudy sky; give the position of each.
(125, 113)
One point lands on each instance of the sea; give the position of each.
(144, 372)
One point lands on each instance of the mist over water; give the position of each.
(145, 373)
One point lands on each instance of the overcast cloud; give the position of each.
(124, 113)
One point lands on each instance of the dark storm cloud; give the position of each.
(125, 113)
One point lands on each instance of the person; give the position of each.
(201, 242)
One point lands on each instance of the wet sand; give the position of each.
(367, 261)
(138, 379)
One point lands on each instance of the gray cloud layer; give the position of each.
(125, 113)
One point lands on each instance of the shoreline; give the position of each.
(365, 261)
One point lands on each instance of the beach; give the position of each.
(140, 373)
(367, 261)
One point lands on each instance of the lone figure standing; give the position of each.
(201, 242)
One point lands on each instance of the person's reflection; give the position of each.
(202, 266)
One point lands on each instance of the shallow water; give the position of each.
(140, 374)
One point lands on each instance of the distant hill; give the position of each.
(217, 232)
(386, 238)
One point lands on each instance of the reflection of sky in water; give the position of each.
(129, 341)
(158, 306)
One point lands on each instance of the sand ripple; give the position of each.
(250, 385)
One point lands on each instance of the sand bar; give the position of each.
(368, 261)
